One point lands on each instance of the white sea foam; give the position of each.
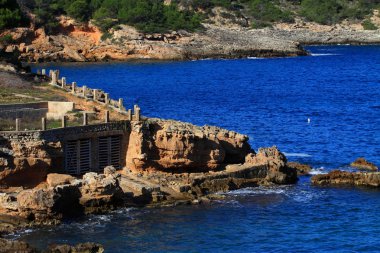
(318, 171)
(296, 154)
(257, 191)
(327, 54)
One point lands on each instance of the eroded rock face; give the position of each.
(26, 161)
(338, 177)
(176, 146)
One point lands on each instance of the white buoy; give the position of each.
(308, 120)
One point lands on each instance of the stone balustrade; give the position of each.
(95, 95)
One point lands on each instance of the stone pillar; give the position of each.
(63, 82)
(95, 94)
(84, 91)
(57, 73)
(107, 116)
(85, 119)
(129, 114)
(64, 121)
(136, 113)
(106, 98)
(121, 106)
(43, 72)
(18, 124)
(38, 72)
(50, 73)
(43, 124)
(54, 78)
(73, 87)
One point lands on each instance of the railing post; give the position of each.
(64, 121)
(95, 94)
(84, 90)
(137, 113)
(73, 87)
(106, 98)
(85, 119)
(121, 106)
(107, 116)
(63, 82)
(43, 123)
(129, 114)
(18, 124)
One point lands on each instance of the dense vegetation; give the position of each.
(10, 14)
(155, 16)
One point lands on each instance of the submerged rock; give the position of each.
(338, 177)
(362, 164)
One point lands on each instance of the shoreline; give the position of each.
(152, 61)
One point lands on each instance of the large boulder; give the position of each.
(276, 164)
(51, 204)
(101, 192)
(55, 179)
(182, 147)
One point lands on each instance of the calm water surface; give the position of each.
(270, 100)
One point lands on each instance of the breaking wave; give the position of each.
(296, 154)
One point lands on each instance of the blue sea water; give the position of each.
(270, 100)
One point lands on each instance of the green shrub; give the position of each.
(80, 10)
(10, 14)
(6, 39)
(368, 25)
(321, 11)
(267, 11)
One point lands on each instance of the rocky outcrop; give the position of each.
(302, 169)
(179, 147)
(338, 177)
(14, 246)
(268, 167)
(362, 164)
(26, 161)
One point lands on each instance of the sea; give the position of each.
(322, 109)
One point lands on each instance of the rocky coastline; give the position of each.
(83, 42)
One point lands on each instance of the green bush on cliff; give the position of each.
(368, 25)
(79, 10)
(10, 14)
(146, 15)
(332, 11)
(268, 11)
